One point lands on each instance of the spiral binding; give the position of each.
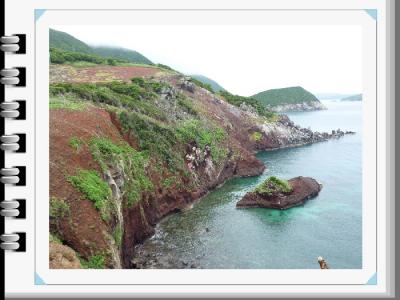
(9, 109)
(9, 241)
(9, 142)
(15, 208)
(9, 208)
(10, 43)
(9, 76)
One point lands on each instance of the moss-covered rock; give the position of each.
(281, 194)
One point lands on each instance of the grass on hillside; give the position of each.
(95, 189)
(62, 101)
(134, 164)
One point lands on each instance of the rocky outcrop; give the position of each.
(62, 257)
(284, 133)
(187, 85)
(303, 188)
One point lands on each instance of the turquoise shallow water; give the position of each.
(214, 234)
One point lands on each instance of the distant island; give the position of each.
(289, 99)
(331, 96)
(357, 97)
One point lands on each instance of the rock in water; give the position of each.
(281, 194)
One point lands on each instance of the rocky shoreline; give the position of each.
(284, 133)
(301, 107)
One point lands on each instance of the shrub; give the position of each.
(256, 136)
(89, 183)
(119, 94)
(195, 130)
(238, 100)
(94, 262)
(169, 181)
(204, 134)
(55, 239)
(59, 208)
(156, 138)
(134, 163)
(138, 80)
(60, 102)
(202, 84)
(164, 67)
(59, 56)
(273, 185)
(75, 143)
(187, 105)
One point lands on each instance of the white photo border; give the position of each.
(206, 277)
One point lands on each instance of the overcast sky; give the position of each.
(246, 59)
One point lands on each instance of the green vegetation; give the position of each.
(58, 102)
(62, 40)
(134, 164)
(238, 100)
(187, 106)
(138, 95)
(290, 95)
(94, 262)
(256, 136)
(273, 185)
(59, 56)
(122, 54)
(209, 82)
(64, 48)
(169, 181)
(117, 234)
(154, 137)
(59, 208)
(204, 134)
(165, 67)
(202, 84)
(92, 186)
(55, 239)
(75, 143)
(137, 106)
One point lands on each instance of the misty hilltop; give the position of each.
(66, 47)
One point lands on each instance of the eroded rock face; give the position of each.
(304, 188)
(284, 133)
(63, 257)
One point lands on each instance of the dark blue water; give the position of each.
(328, 225)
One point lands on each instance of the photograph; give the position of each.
(205, 147)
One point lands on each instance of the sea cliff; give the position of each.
(130, 145)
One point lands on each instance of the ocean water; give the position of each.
(214, 234)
